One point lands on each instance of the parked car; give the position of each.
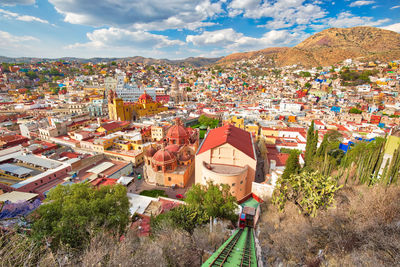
(139, 176)
(179, 196)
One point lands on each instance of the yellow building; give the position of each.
(237, 122)
(118, 110)
(147, 107)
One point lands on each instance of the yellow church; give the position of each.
(145, 106)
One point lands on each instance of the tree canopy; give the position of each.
(73, 213)
(311, 146)
(209, 122)
(292, 164)
(216, 200)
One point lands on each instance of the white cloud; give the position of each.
(394, 7)
(16, 2)
(234, 41)
(139, 14)
(13, 45)
(220, 37)
(361, 3)
(284, 13)
(394, 27)
(112, 38)
(347, 19)
(12, 15)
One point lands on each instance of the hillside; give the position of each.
(271, 52)
(332, 46)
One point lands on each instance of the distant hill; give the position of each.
(332, 46)
(271, 52)
(190, 61)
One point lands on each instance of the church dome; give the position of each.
(145, 98)
(172, 148)
(163, 157)
(150, 151)
(177, 132)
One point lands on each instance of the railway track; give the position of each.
(237, 251)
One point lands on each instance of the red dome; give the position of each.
(172, 148)
(162, 157)
(150, 151)
(177, 132)
(145, 97)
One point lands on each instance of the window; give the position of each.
(241, 182)
(158, 168)
(233, 184)
(169, 179)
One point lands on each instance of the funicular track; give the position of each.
(246, 256)
(238, 251)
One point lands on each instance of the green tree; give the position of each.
(307, 85)
(187, 217)
(32, 75)
(366, 158)
(292, 165)
(73, 213)
(355, 111)
(311, 146)
(208, 122)
(216, 200)
(305, 74)
(308, 191)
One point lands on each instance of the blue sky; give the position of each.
(176, 28)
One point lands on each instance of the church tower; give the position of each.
(175, 93)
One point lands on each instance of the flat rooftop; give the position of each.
(226, 169)
(15, 169)
(38, 161)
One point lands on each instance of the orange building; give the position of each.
(172, 162)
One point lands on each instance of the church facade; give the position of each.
(121, 111)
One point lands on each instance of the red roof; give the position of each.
(232, 135)
(279, 158)
(70, 155)
(103, 181)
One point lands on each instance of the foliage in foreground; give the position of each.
(154, 193)
(216, 200)
(202, 202)
(363, 230)
(169, 246)
(309, 191)
(74, 213)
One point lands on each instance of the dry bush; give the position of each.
(362, 230)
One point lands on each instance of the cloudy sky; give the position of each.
(176, 28)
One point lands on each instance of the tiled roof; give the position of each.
(234, 136)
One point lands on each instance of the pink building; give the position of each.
(227, 156)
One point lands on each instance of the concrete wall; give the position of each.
(264, 191)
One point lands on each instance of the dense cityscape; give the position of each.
(276, 157)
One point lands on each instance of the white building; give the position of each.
(291, 107)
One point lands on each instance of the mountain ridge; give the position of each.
(190, 61)
(332, 46)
